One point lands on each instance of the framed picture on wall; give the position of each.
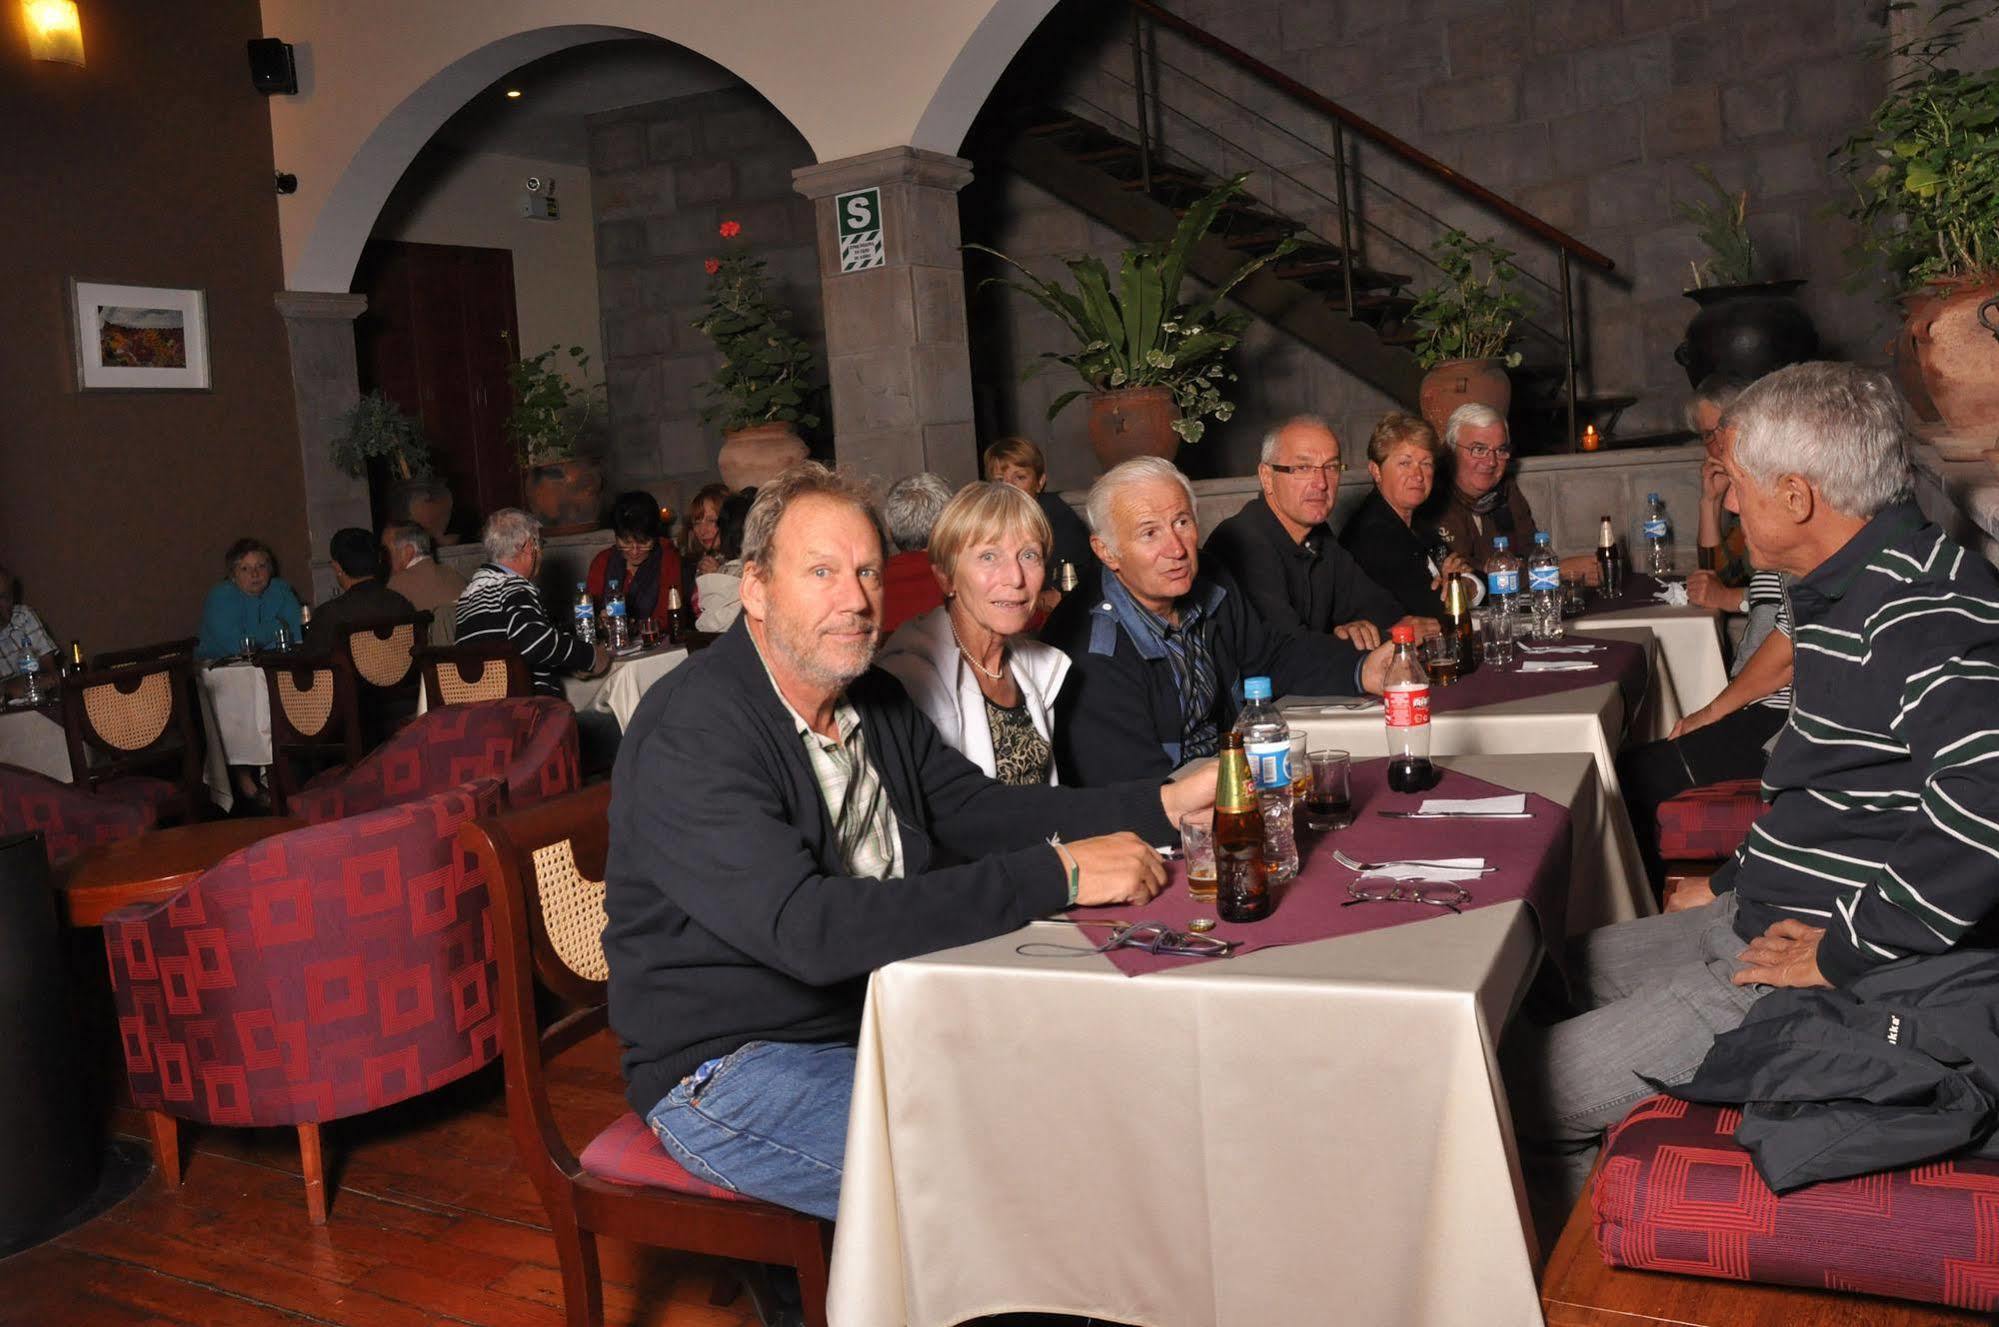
(139, 338)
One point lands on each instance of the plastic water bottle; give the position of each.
(1502, 577)
(1544, 583)
(1658, 531)
(586, 615)
(1266, 740)
(1406, 705)
(31, 677)
(614, 617)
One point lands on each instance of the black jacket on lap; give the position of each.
(731, 918)
(1309, 585)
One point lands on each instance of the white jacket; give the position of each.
(925, 658)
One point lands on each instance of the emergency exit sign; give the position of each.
(859, 216)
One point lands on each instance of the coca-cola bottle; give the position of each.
(1406, 701)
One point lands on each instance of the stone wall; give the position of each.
(1588, 113)
(664, 176)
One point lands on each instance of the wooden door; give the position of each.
(437, 338)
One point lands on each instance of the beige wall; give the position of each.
(474, 199)
(377, 77)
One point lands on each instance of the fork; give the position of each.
(1364, 867)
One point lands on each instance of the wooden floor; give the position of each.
(432, 1222)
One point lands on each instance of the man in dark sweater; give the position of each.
(1158, 654)
(785, 821)
(1280, 551)
(500, 603)
(363, 597)
(1884, 825)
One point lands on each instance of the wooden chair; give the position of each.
(315, 719)
(462, 674)
(382, 655)
(543, 867)
(122, 723)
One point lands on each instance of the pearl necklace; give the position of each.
(995, 676)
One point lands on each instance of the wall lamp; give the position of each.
(55, 32)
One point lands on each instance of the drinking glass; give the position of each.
(1442, 658)
(1573, 600)
(1497, 637)
(1301, 775)
(1329, 803)
(249, 646)
(1197, 849)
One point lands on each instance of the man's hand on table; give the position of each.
(1705, 590)
(1424, 627)
(1785, 955)
(1359, 633)
(1375, 670)
(1191, 792)
(600, 660)
(1117, 868)
(1583, 567)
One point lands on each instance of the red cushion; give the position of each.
(629, 1153)
(1708, 824)
(1674, 1193)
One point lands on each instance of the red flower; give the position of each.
(731, 229)
(712, 266)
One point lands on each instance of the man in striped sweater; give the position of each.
(500, 603)
(1882, 841)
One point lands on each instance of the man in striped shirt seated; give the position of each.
(1882, 841)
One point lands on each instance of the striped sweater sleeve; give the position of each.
(1941, 878)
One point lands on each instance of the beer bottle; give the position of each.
(1609, 558)
(75, 666)
(1458, 623)
(678, 621)
(1242, 889)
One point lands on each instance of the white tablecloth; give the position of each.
(1691, 666)
(1313, 1134)
(619, 691)
(241, 706)
(32, 740)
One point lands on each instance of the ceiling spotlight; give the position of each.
(513, 94)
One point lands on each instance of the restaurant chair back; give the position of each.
(382, 653)
(545, 868)
(464, 674)
(133, 735)
(316, 975)
(529, 744)
(315, 720)
(69, 819)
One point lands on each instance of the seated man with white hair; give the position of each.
(1880, 841)
(417, 575)
(912, 506)
(1158, 655)
(1483, 502)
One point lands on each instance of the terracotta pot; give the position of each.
(1951, 334)
(1746, 331)
(1133, 421)
(424, 502)
(1455, 382)
(567, 495)
(756, 455)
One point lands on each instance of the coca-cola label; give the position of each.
(1270, 764)
(1544, 578)
(1407, 707)
(1502, 582)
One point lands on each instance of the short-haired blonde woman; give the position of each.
(988, 687)
(1400, 552)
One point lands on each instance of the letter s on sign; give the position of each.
(860, 216)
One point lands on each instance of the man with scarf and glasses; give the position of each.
(1482, 502)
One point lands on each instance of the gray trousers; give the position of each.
(1657, 992)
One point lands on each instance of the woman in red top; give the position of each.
(640, 559)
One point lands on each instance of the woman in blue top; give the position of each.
(249, 602)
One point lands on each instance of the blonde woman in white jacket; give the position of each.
(969, 665)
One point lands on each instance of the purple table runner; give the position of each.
(1532, 857)
(1638, 591)
(1618, 661)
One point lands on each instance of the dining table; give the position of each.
(1691, 665)
(1316, 1120)
(1509, 710)
(617, 692)
(32, 738)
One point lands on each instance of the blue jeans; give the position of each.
(769, 1120)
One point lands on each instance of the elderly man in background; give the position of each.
(1884, 823)
(912, 506)
(357, 570)
(785, 821)
(22, 635)
(1158, 655)
(417, 575)
(1484, 501)
(1280, 551)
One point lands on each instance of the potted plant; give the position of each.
(762, 394)
(1154, 365)
(376, 429)
(1745, 327)
(1463, 326)
(551, 421)
(1925, 172)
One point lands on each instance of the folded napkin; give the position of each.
(1461, 871)
(1673, 593)
(1507, 804)
(1560, 649)
(1556, 666)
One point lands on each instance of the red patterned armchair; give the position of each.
(316, 975)
(70, 819)
(528, 742)
(1674, 1193)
